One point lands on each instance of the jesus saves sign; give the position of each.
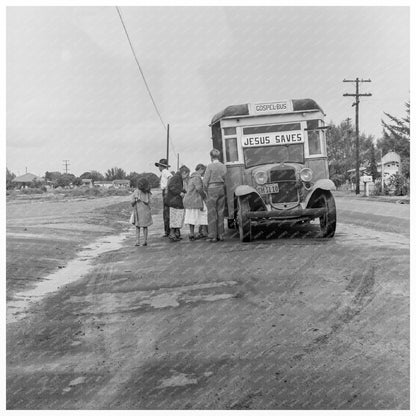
(272, 139)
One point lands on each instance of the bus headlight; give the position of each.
(260, 177)
(306, 175)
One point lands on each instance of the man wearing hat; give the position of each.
(164, 178)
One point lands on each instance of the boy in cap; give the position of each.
(164, 178)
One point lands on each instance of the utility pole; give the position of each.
(66, 164)
(357, 130)
(167, 145)
(177, 164)
(382, 171)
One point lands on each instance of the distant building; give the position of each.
(103, 184)
(87, 182)
(121, 183)
(27, 179)
(391, 165)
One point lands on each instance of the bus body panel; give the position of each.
(234, 178)
(319, 167)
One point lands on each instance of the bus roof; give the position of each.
(267, 108)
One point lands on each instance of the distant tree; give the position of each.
(9, 178)
(94, 175)
(390, 143)
(151, 177)
(398, 127)
(133, 177)
(373, 163)
(396, 138)
(65, 180)
(405, 170)
(52, 177)
(77, 181)
(398, 183)
(37, 184)
(85, 175)
(115, 173)
(342, 153)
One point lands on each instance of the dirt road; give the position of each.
(282, 323)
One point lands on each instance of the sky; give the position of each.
(74, 90)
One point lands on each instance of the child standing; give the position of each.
(142, 217)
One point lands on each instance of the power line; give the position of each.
(140, 69)
(142, 74)
(357, 138)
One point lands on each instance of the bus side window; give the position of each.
(314, 143)
(231, 152)
(314, 140)
(217, 140)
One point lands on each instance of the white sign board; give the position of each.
(272, 139)
(276, 107)
(366, 178)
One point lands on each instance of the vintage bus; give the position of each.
(277, 168)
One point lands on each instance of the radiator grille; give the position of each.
(286, 178)
(282, 175)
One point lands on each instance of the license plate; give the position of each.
(269, 188)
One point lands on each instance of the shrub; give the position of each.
(117, 192)
(398, 184)
(31, 191)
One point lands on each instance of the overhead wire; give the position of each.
(144, 78)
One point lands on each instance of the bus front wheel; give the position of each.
(244, 223)
(328, 221)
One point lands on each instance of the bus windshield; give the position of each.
(262, 155)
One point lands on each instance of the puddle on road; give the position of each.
(31, 236)
(164, 297)
(74, 270)
(208, 298)
(353, 235)
(73, 383)
(163, 300)
(178, 380)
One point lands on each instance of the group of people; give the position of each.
(196, 199)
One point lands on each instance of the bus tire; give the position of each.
(244, 223)
(327, 222)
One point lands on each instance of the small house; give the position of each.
(87, 182)
(390, 165)
(26, 180)
(121, 183)
(103, 184)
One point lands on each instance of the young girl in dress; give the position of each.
(142, 217)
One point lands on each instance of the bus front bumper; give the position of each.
(292, 215)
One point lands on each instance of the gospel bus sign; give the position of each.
(276, 107)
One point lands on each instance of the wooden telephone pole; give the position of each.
(66, 164)
(357, 131)
(167, 145)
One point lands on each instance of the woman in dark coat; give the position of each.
(194, 201)
(174, 200)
